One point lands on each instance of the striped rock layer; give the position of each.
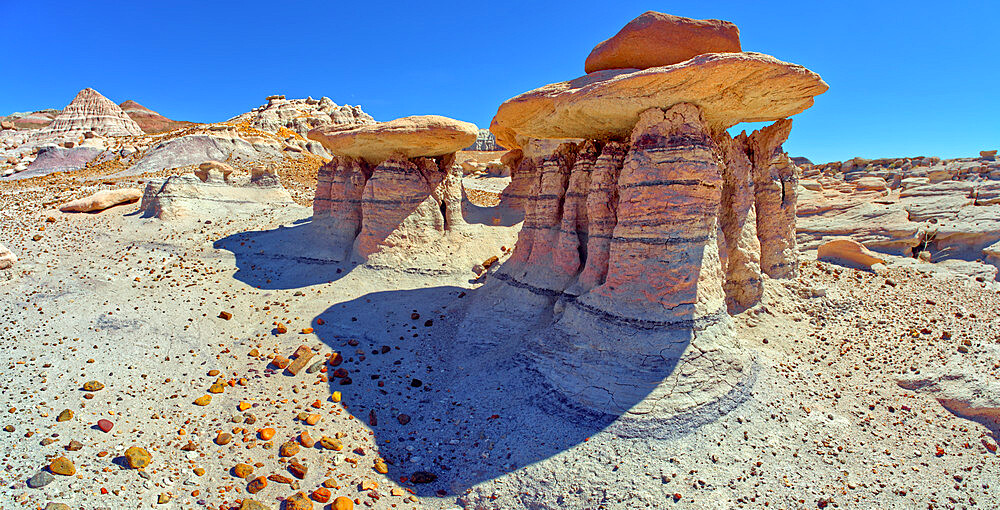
(642, 247)
(90, 111)
(662, 225)
(401, 202)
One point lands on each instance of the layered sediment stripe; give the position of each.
(531, 262)
(667, 218)
(398, 188)
(602, 205)
(324, 180)
(571, 246)
(341, 184)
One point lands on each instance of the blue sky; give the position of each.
(906, 78)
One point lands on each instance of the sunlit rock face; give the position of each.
(646, 224)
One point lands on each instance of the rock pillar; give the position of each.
(738, 219)
(664, 262)
(775, 184)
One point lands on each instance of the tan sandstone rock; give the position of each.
(871, 184)
(102, 200)
(7, 258)
(656, 39)
(728, 87)
(849, 251)
(189, 196)
(409, 137)
(775, 199)
(206, 169)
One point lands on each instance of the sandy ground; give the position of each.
(134, 304)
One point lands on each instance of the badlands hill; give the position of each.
(148, 120)
(302, 308)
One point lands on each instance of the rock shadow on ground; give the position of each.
(287, 257)
(464, 413)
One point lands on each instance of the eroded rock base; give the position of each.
(403, 213)
(631, 257)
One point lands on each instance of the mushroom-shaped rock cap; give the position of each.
(411, 137)
(728, 87)
(656, 39)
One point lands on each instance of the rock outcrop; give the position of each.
(213, 192)
(7, 258)
(148, 120)
(90, 111)
(922, 207)
(655, 39)
(391, 185)
(302, 115)
(640, 235)
(31, 120)
(102, 200)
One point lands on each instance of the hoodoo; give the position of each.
(642, 233)
(391, 184)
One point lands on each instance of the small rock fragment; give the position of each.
(62, 466)
(137, 457)
(93, 386)
(41, 479)
(256, 485)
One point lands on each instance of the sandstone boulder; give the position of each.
(655, 39)
(728, 88)
(102, 200)
(846, 250)
(408, 137)
(871, 184)
(7, 258)
(990, 155)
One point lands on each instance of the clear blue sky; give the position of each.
(906, 78)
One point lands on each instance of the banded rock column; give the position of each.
(391, 184)
(680, 219)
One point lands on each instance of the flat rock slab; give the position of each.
(411, 137)
(102, 200)
(656, 39)
(728, 87)
(849, 251)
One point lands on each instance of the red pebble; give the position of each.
(105, 425)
